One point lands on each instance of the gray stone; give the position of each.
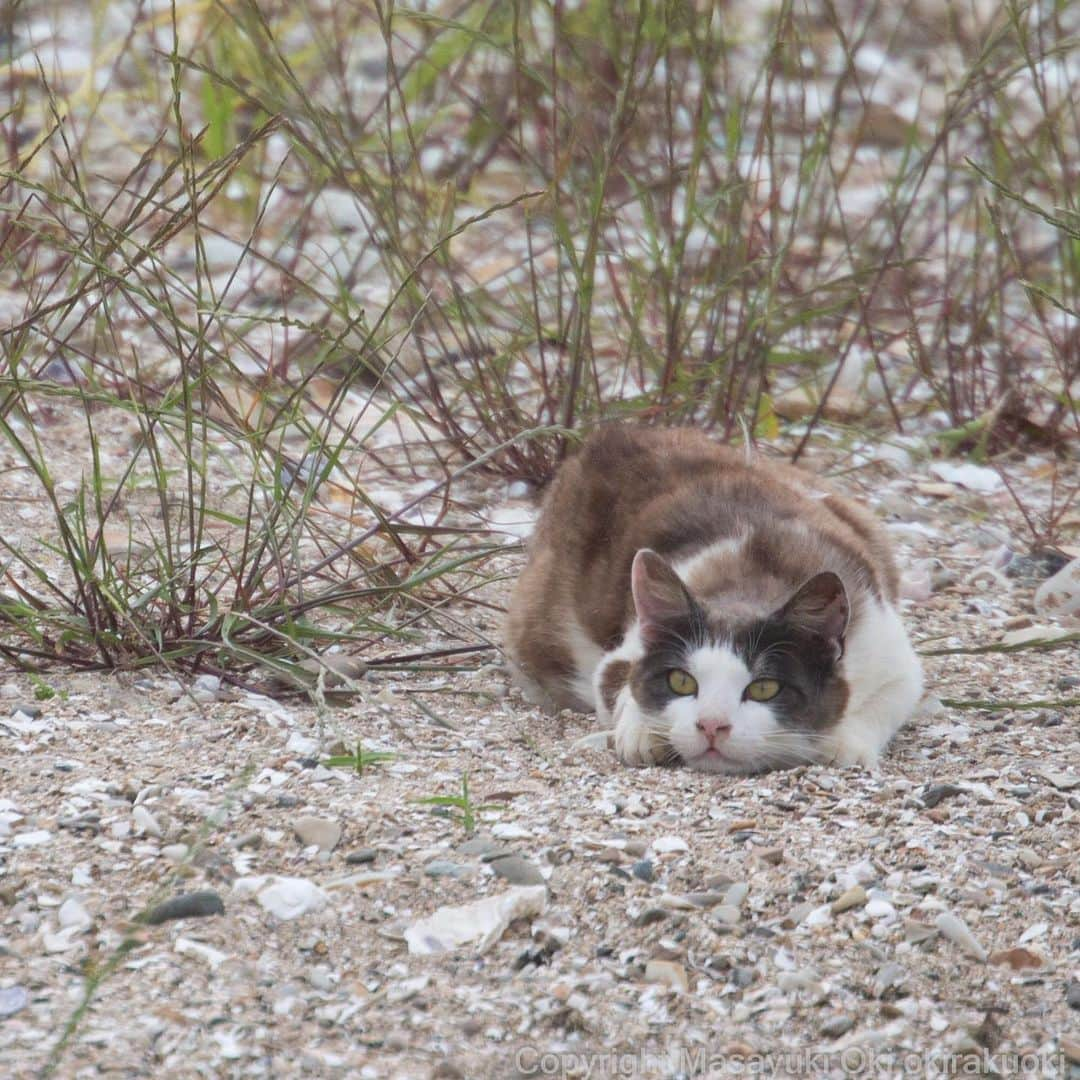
(836, 1026)
(483, 845)
(933, 794)
(1072, 994)
(517, 870)
(438, 868)
(321, 832)
(643, 870)
(361, 857)
(651, 915)
(31, 712)
(13, 999)
(193, 905)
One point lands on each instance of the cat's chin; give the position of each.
(712, 761)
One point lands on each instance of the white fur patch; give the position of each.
(885, 683)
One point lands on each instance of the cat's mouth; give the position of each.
(715, 761)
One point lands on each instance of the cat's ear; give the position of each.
(659, 594)
(821, 606)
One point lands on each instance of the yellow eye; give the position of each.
(681, 682)
(763, 690)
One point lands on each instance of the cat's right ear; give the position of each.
(659, 594)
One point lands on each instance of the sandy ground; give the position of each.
(923, 919)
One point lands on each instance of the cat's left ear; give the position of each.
(821, 606)
(659, 594)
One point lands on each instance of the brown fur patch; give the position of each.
(613, 680)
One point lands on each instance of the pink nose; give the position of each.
(713, 726)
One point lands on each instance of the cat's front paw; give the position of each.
(635, 744)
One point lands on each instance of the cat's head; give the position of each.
(738, 695)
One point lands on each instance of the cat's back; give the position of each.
(676, 491)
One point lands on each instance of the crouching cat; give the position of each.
(735, 616)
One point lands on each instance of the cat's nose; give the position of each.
(714, 726)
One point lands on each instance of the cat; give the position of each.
(732, 615)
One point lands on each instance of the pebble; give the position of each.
(667, 973)
(936, 793)
(956, 930)
(175, 853)
(206, 688)
(361, 857)
(880, 909)
(836, 1026)
(483, 846)
(284, 897)
(320, 832)
(727, 914)
(643, 870)
(651, 915)
(438, 868)
(193, 905)
(888, 976)
(916, 932)
(13, 999)
(32, 838)
(1017, 958)
(1072, 994)
(517, 870)
(668, 845)
(145, 822)
(72, 915)
(850, 898)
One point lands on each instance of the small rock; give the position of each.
(1018, 959)
(879, 908)
(770, 856)
(956, 930)
(31, 712)
(850, 898)
(320, 832)
(517, 870)
(13, 999)
(643, 870)
(836, 1026)
(887, 977)
(668, 845)
(1072, 994)
(1070, 1048)
(32, 838)
(651, 915)
(1063, 781)
(72, 915)
(438, 868)
(483, 845)
(667, 973)
(284, 897)
(743, 977)
(206, 688)
(936, 793)
(175, 853)
(193, 905)
(145, 822)
(915, 932)
(727, 914)
(361, 857)
(1068, 682)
